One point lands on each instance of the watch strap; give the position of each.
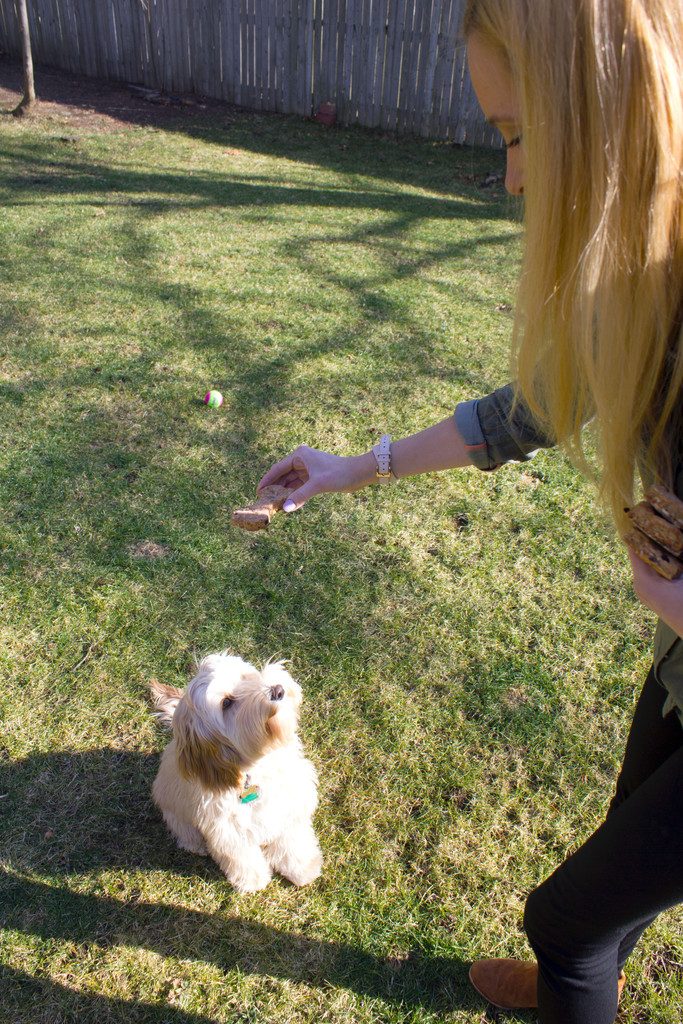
(382, 453)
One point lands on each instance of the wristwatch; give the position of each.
(382, 453)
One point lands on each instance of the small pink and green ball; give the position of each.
(213, 399)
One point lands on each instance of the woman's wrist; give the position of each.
(363, 470)
(436, 448)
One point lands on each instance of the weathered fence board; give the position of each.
(392, 64)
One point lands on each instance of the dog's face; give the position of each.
(229, 716)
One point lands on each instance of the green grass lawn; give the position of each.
(469, 645)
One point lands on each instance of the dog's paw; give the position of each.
(250, 879)
(304, 874)
(194, 846)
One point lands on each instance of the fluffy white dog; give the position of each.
(233, 781)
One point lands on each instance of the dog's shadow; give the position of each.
(68, 813)
(65, 813)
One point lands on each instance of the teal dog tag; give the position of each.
(250, 794)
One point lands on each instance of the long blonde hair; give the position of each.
(598, 325)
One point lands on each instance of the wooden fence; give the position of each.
(392, 64)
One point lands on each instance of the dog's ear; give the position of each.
(165, 700)
(202, 754)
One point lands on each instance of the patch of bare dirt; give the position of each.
(149, 550)
(87, 105)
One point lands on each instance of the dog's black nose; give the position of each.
(277, 692)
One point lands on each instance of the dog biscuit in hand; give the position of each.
(656, 537)
(667, 504)
(654, 556)
(660, 530)
(258, 515)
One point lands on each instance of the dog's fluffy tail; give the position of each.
(165, 700)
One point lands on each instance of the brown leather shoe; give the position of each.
(511, 984)
(507, 984)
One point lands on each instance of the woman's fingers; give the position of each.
(277, 473)
(290, 480)
(308, 472)
(300, 496)
(272, 476)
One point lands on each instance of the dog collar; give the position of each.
(249, 793)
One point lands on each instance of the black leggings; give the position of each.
(584, 920)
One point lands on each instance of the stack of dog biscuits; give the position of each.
(657, 537)
(258, 515)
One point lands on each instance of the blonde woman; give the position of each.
(588, 96)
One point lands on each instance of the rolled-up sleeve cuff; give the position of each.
(467, 422)
(495, 434)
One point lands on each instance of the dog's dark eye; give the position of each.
(227, 703)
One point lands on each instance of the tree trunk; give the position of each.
(29, 97)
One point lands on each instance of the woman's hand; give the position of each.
(664, 597)
(312, 472)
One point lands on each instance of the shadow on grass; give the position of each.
(76, 813)
(100, 439)
(45, 179)
(35, 995)
(50, 912)
(87, 105)
(71, 812)
(29, 999)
